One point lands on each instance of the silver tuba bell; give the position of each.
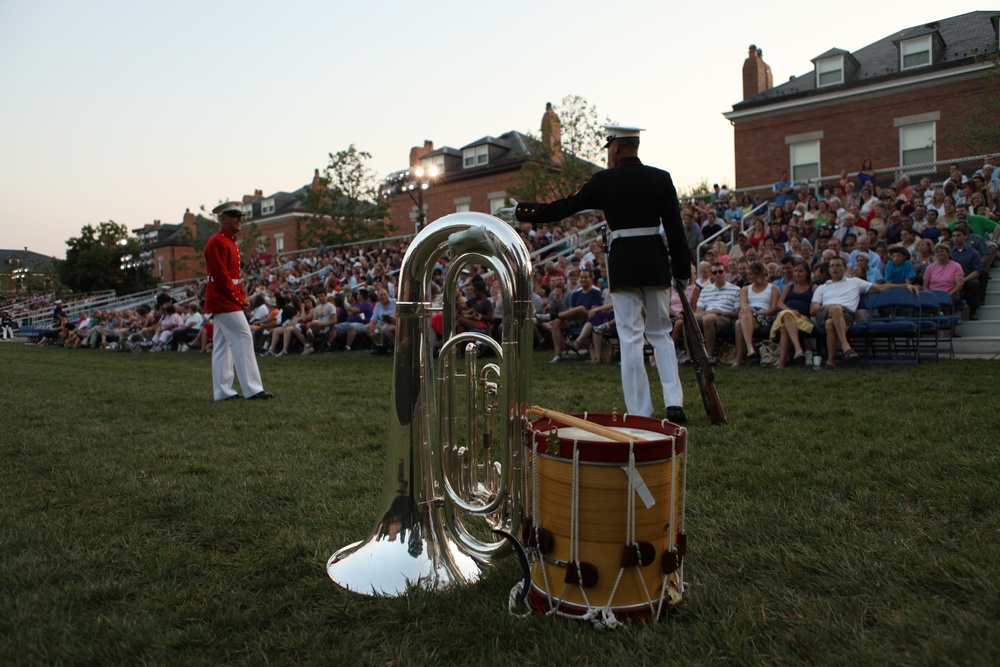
(458, 431)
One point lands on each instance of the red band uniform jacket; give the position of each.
(222, 261)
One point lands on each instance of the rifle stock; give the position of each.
(695, 344)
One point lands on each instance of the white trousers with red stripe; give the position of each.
(232, 346)
(632, 328)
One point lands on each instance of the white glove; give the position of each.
(509, 214)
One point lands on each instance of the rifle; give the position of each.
(694, 342)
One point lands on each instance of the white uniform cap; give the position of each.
(621, 132)
(230, 206)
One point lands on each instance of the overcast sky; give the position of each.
(133, 111)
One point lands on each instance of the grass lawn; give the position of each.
(848, 518)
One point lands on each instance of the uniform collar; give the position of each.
(628, 161)
(228, 234)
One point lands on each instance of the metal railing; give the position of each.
(729, 228)
(379, 242)
(912, 170)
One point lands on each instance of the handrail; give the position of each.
(897, 171)
(727, 228)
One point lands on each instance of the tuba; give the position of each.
(459, 422)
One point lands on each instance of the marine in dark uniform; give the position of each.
(637, 201)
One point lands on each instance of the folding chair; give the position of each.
(893, 329)
(948, 318)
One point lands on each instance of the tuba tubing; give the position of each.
(420, 537)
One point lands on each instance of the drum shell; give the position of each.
(602, 508)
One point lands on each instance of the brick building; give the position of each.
(273, 223)
(168, 250)
(474, 177)
(902, 101)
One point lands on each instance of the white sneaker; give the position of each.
(602, 328)
(556, 359)
(183, 348)
(280, 354)
(309, 350)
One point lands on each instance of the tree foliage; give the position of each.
(981, 131)
(345, 206)
(94, 261)
(699, 188)
(543, 178)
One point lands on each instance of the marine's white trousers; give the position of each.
(628, 303)
(232, 345)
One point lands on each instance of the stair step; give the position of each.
(981, 328)
(989, 312)
(977, 345)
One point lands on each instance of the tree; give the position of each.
(980, 134)
(97, 260)
(697, 190)
(557, 171)
(344, 205)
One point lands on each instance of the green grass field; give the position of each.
(846, 518)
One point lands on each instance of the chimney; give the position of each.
(317, 183)
(416, 153)
(756, 73)
(156, 223)
(190, 223)
(552, 133)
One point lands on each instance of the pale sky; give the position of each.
(133, 111)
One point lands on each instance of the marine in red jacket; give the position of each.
(225, 298)
(224, 292)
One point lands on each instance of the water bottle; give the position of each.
(809, 358)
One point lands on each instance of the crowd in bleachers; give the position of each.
(935, 236)
(884, 230)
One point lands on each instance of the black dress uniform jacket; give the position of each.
(632, 195)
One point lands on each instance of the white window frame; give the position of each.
(462, 204)
(267, 206)
(435, 161)
(497, 201)
(159, 266)
(475, 156)
(910, 134)
(795, 163)
(279, 243)
(247, 210)
(829, 66)
(913, 47)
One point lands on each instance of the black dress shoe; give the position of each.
(675, 414)
(261, 396)
(230, 398)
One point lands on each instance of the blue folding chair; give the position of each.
(948, 317)
(894, 326)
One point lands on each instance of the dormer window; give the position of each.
(267, 206)
(829, 71)
(433, 161)
(915, 52)
(247, 210)
(475, 156)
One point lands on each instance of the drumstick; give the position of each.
(590, 427)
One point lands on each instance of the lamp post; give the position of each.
(413, 182)
(21, 274)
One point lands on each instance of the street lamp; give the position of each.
(21, 274)
(413, 182)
